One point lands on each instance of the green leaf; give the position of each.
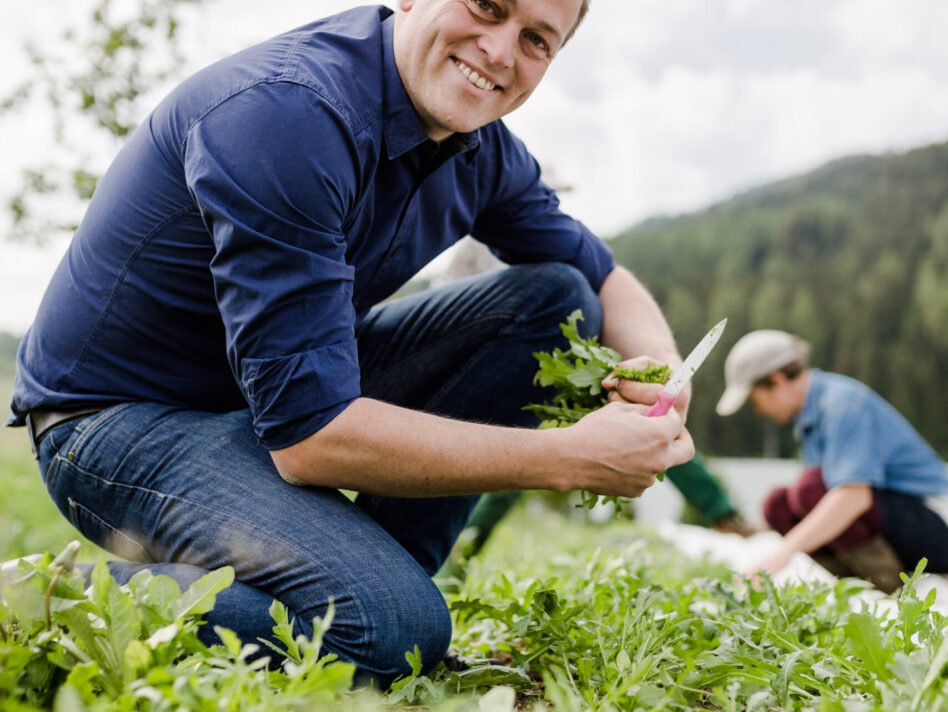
(283, 631)
(497, 699)
(122, 624)
(68, 699)
(199, 598)
(229, 638)
(81, 678)
(863, 633)
(934, 673)
(137, 657)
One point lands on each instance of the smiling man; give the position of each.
(215, 357)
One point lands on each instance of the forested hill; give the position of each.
(852, 256)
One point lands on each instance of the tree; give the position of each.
(97, 82)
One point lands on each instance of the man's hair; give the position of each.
(583, 9)
(792, 371)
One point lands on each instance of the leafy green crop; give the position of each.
(577, 374)
(135, 647)
(612, 618)
(554, 615)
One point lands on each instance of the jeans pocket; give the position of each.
(97, 530)
(87, 428)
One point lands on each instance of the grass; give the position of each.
(29, 521)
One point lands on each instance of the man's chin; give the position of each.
(467, 125)
(467, 122)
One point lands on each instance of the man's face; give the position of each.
(777, 402)
(466, 63)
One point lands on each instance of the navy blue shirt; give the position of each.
(856, 437)
(256, 216)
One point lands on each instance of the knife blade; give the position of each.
(683, 373)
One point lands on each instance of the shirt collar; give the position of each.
(809, 413)
(403, 129)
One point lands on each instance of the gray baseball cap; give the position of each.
(754, 356)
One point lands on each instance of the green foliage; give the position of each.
(135, 647)
(577, 375)
(556, 615)
(634, 626)
(853, 257)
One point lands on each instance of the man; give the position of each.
(874, 493)
(211, 364)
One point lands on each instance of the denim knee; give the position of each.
(560, 289)
(397, 625)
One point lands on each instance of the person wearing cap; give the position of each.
(873, 499)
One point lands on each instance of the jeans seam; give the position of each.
(89, 429)
(297, 550)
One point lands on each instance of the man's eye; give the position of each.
(485, 5)
(537, 41)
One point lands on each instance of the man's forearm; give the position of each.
(633, 323)
(380, 448)
(634, 326)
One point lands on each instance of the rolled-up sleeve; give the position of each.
(274, 203)
(522, 221)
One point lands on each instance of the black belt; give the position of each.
(39, 421)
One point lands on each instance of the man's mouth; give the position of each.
(473, 77)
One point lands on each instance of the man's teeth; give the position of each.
(474, 77)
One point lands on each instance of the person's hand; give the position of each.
(625, 390)
(734, 524)
(771, 564)
(616, 450)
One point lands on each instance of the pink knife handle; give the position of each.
(664, 403)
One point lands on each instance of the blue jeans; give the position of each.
(181, 492)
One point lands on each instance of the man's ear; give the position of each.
(405, 5)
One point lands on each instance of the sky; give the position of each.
(654, 107)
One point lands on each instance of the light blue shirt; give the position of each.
(856, 437)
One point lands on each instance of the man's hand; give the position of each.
(624, 390)
(616, 450)
(734, 524)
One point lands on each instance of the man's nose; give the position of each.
(499, 43)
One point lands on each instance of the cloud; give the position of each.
(660, 106)
(666, 106)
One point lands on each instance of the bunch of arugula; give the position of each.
(577, 375)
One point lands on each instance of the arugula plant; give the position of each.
(66, 645)
(611, 618)
(577, 374)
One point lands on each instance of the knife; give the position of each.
(683, 373)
